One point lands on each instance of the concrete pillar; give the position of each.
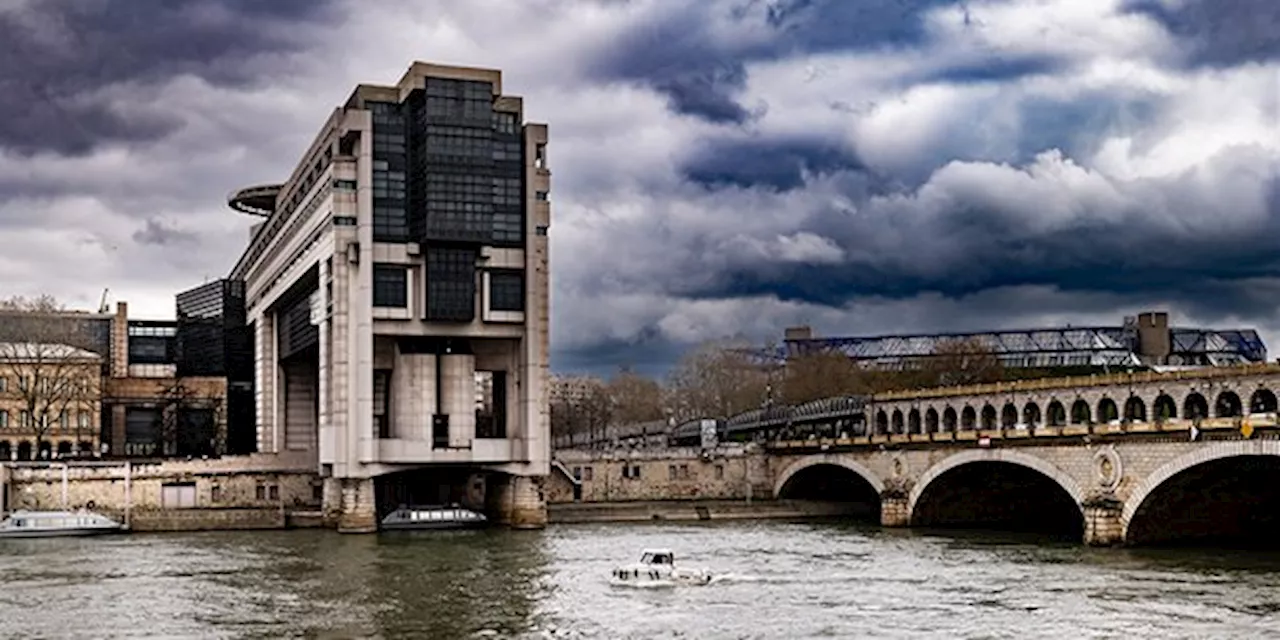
(413, 396)
(894, 512)
(264, 344)
(359, 508)
(331, 502)
(517, 501)
(458, 386)
(1102, 527)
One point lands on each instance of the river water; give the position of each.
(784, 580)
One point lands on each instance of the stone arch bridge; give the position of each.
(1131, 458)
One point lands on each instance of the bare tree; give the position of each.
(48, 374)
(962, 361)
(634, 398)
(182, 402)
(823, 374)
(580, 407)
(716, 379)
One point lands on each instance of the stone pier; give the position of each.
(359, 512)
(518, 502)
(894, 512)
(1102, 524)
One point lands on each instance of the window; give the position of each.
(671, 472)
(542, 195)
(344, 185)
(4, 384)
(542, 230)
(506, 290)
(24, 419)
(719, 472)
(260, 492)
(577, 473)
(390, 286)
(4, 419)
(504, 123)
(586, 474)
(178, 495)
(382, 401)
(451, 284)
(64, 420)
(82, 419)
(273, 492)
(215, 494)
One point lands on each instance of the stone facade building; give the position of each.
(400, 268)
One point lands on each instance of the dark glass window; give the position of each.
(390, 184)
(451, 284)
(382, 402)
(506, 290)
(390, 286)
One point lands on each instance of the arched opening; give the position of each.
(1195, 407)
(1227, 405)
(1107, 411)
(1262, 401)
(949, 420)
(6, 451)
(1031, 415)
(1009, 416)
(988, 417)
(999, 496)
(1228, 502)
(86, 447)
(1165, 408)
(968, 419)
(64, 449)
(45, 450)
(898, 426)
(1080, 412)
(913, 421)
(1057, 414)
(1135, 410)
(882, 422)
(931, 420)
(24, 450)
(837, 485)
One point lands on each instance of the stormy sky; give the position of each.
(720, 167)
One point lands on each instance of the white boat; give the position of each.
(450, 517)
(657, 568)
(50, 524)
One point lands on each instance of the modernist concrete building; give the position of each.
(400, 269)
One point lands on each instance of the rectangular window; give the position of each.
(4, 419)
(577, 473)
(719, 472)
(542, 195)
(390, 286)
(4, 384)
(82, 419)
(273, 492)
(491, 404)
(671, 472)
(344, 185)
(506, 290)
(586, 474)
(64, 420)
(24, 419)
(382, 401)
(260, 493)
(178, 495)
(451, 284)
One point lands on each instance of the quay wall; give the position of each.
(236, 492)
(723, 473)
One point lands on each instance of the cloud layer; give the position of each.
(725, 167)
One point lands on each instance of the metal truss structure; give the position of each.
(1034, 348)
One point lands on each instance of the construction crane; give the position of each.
(102, 306)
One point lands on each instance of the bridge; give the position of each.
(1136, 459)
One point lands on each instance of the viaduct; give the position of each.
(1143, 458)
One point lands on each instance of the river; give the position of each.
(785, 580)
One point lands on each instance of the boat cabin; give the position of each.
(658, 557)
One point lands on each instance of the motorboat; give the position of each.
(657, 568)
(51, 524)
(433, 517)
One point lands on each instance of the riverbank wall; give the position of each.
(236, 492)
(695, 510)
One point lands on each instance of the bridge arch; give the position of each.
(1025, 466)
(809, 462)
(1206, 454)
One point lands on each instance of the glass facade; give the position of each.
(215, 339)
(448, 173)
(390, 286)
(506, 290)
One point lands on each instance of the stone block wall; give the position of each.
(676, 474)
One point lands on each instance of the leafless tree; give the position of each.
(963, 361)
(716, 379)
(634, 398)
(48, 375)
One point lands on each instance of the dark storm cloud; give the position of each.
(778, 164)
(158, 232)
(1219, 32)
(647, 353)
(55, 54)
(702, 73)
(993, 69)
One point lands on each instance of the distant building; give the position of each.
(573, 389)
(50, 400)
(1142, 341)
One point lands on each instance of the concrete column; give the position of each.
(894, 512)
(1102, 527)
(458, 386)
(359, 508)
(326, 438)
(517, 501)
(266, 370)
(413, 396)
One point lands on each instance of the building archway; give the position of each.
(913, 421)
(1221, 493)
(1057, 414)
(1000, 490)
(1080, 412)
(1107, 411)
(949, 420)
(898, 426)
(968, 419)
(931, 420)
(1135, 410)
(1009, 416)
(1195, 407)
(1031, 415)
(1227, 405)
(1164, 408)
(988, 417)
(1262, 401)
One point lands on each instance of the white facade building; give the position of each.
(402, 267)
